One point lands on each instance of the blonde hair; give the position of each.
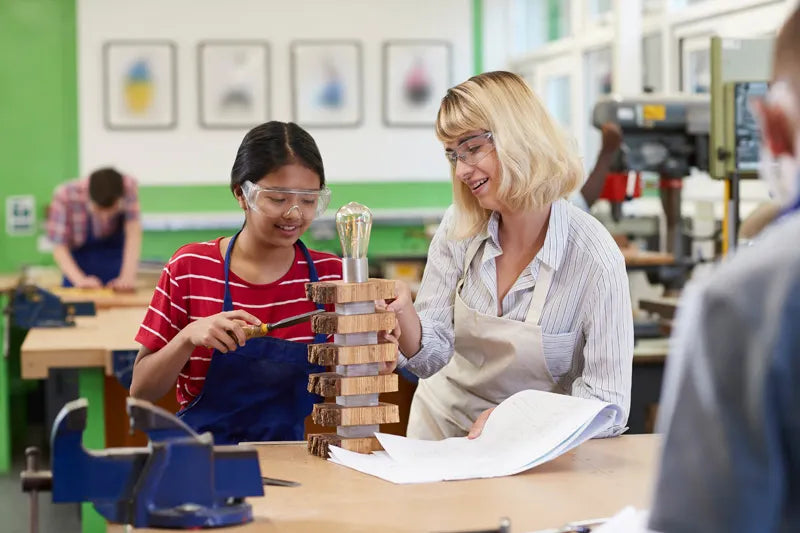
(537, 163)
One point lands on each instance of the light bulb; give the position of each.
(354, 223)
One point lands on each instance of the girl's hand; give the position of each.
(222, 331)
(393, 336)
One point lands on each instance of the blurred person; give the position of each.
(192, 332)
(95, 228)
(610, 142)
(731, 455)
(521, 290)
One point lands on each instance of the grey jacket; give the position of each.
(731, 400)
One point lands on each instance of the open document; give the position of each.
(526, 430)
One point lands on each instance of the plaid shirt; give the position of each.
(69, 215)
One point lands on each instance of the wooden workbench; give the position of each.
(88, 347)
(595, 480)
(88, 344)
(106, 298)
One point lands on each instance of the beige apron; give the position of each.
(494, 357)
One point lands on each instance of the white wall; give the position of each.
(189, 154)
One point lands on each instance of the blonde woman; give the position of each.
(521, 289)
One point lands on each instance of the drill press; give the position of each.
(668, 136)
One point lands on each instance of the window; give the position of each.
(651, 64)
(695, 59)
(597, 68)
(557, 99)
(599, 10)
(536, 22)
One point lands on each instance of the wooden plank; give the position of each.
(340, 292)
(9, 282)
(331, 414)
(105, 298)
(330, 354)
(645, 258)
(36, 365)
(318, 444)
(332, 384)
(665, 307)
(335, 323)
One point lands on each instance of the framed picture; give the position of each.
(416, 75)
(327, 83)
(139, 82)
(233, 81)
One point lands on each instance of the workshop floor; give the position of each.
(15, 506)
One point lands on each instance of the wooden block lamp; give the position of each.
(355, 354)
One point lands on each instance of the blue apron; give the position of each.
(101, 257)
(259, 391)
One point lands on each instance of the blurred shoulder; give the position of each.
(768, 268)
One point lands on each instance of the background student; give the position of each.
(94, 225)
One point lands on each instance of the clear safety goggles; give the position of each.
(472, 150)
(277, 201)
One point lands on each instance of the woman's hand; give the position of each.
(402, 301)
(222, 331)
(477, 428)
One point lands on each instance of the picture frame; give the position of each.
(233, 79)
(139, 85)
(327, 83)
(416, 75)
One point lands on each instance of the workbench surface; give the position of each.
(87, 344)
(105, 298)
(595, 480)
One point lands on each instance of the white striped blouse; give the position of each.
(586, 320)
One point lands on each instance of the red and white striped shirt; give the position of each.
(192, 286)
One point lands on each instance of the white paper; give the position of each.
(628, 520)
(526, 430)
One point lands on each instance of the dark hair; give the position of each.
(105, 187)
(272, 145)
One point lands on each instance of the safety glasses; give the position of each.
(277, 201)
(472, 150)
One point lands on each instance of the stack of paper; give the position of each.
(526, 430)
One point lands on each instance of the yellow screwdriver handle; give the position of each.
(256, 331)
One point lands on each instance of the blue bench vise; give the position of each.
(180, 481)
(34, 307)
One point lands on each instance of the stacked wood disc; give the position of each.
(355, 356)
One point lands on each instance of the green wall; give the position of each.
(39, 116)
(38, 110)
(392, 241)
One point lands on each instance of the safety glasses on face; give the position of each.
(276, 201)
(471, 150)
